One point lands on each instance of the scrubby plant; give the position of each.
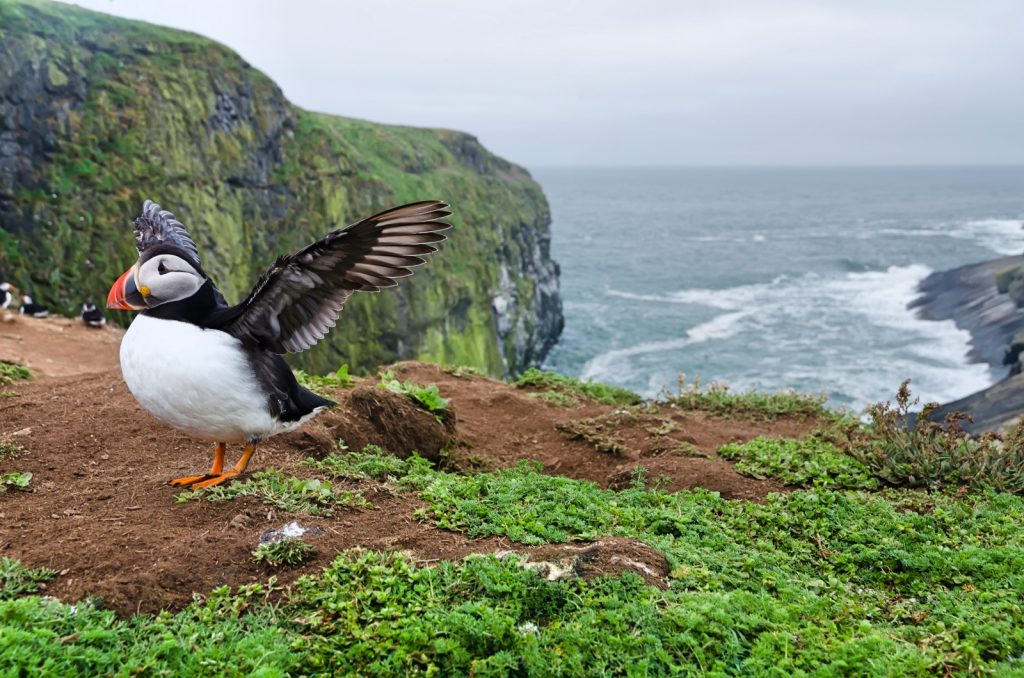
(314, 382)
(9, 450)
(799, 462)
(288, 551)
(428, 397)
(12, 372)
(570, 386)
(911, 450)
(463, 371)
(556, 398)
(717, 400)
(14, 481)
(17, 580)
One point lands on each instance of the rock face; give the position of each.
(99, 113)
(977, 298)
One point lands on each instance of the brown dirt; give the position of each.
(101, 512)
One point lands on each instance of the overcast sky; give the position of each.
(639, 83)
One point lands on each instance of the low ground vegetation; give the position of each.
(897, 552)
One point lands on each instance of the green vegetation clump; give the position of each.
(9, 450)
(14, 481)
(234, 634)
(314, 382)
(427, 397)
(572, 387)
(910, 450)
(12, 372)
(718, 401)
(799, 462)
(17, 580)
(312, 496)
(894, 582)
(288, 551)
(372, 464)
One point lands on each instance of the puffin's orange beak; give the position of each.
(125, 294)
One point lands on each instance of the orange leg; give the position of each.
(235, 470)
(218, 466)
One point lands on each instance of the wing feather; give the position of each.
(297, 301)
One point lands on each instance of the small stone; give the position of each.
(240, 521)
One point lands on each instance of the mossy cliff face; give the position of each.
(99, 113)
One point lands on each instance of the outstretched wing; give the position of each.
(157, 226)
(297, 301)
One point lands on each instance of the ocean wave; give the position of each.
(816, 318)
(1002, 236)
(720, 327)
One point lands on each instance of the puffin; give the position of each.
(7, 292)
(92, 316)
(215, 371)
(31, 308)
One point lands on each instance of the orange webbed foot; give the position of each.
(190, 480)
(216, 476)
(213, 481)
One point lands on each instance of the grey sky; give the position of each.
(594, 82)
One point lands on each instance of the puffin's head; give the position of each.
(155, 280)
(168, 268)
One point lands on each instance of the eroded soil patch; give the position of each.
(100, 511)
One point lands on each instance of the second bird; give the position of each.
(215, 371)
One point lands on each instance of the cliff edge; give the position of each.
(99, 113)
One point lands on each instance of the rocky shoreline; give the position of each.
(973, 298)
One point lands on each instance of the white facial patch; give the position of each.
(167, 277)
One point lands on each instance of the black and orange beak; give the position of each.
(125, 294)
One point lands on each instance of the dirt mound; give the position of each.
(101, 512)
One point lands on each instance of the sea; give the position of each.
(773, 278)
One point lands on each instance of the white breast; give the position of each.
(196, 380)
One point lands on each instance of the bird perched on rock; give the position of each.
(7, 292)
(215, 371)
(92, 316)
(31, 308)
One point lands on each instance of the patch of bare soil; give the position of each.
(100, 510)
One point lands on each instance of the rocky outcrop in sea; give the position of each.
(985, 300)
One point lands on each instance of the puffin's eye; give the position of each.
(161, 269)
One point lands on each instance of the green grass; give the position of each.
(718, 401)
(427, 397)
(12, 372)
(286, 552)
(337, 379)
(799, 462)
(824, 581)
(312, 496)
(17, 580)
(572, 387)
(372, 464)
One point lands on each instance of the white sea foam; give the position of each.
(821, 319)
(1002, 236)
(719, 327)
